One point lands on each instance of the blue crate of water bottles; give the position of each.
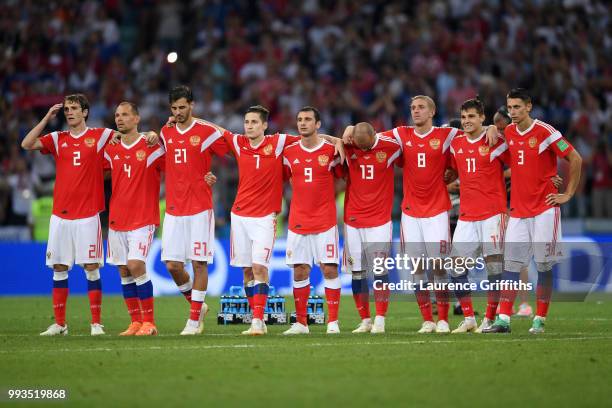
(234, 308)
(314, 308)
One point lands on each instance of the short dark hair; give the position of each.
(131, 105)
(181, 91)
(519, 93)
(312, 109)
(80, 99)
(474, 103)
(263, 112)
(503, 112)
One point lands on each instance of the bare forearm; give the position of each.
(575, 169)
(31, 142)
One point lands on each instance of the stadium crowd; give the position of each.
(355, 60)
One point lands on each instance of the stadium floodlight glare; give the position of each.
(172, 57)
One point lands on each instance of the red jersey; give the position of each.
(369, 187)
(312, 171)
(79, 162)
(481, 176)
(425, 158)
(533, 160)
(188, 158)
(260, 173)
(136, 175)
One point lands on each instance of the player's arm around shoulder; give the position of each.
(32, 141)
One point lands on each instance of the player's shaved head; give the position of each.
(363, 135)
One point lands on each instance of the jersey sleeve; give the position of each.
(553, 140)
(219, 146)
(561, 147)
(108, 163)
(337, 168)
(501, 153)
(156, 157)
(49, 142)
(229, 137)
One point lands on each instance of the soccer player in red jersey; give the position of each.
(425, 227)
(313, 233)
(482, 209)
(534, 227)
(258, 201)
(75, 235)
(367, 217)
(189, 224)
(134, 213)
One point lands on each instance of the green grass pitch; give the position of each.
(570, 365)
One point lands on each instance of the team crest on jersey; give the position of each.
(434, 143)
(483, 150)
(194, 140)
(268, 149)
(533, 141)
(323, 160)
(140, 155)
(381, 156)
(90, 141)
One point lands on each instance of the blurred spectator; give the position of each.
(355, 60)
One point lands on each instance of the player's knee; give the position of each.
(91, 267)
(60, 268)
(544, 266)
(301, 272)
(494, 268)
(513, 266)
(174, 267)
(330, 271)
(136, 267)
(123, 271)
(247, 273)
(359, 275)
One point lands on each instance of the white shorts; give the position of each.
(320, 248)
(537, 236)
(362, 245)
(189, 237)
(126, 245)
(427, 236)
(252, 240)
(480, 238)
(75, 241)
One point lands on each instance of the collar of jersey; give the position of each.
(523, 133)
(484, 132)
(422, 136)
(314, 148)
(182, 132)
(80, 134)
(133, 144)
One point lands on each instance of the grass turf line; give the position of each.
(568, 365)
